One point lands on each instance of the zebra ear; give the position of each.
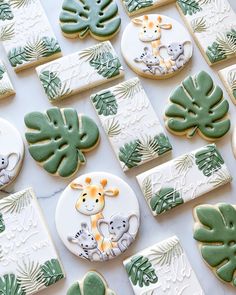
(84, 226)
(76, 186)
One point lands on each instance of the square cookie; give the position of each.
(79, 71)
(26, 34)
(228, 77)
(213, 26)
(131, 124)
(183, 179)
(6, 87)
(28, 260)
(133, 7)
(162, 269)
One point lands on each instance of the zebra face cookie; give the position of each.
(101, 216)
(156, 46)
(11, 153)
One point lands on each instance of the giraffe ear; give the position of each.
(77, 186)
(103, 182)
(137, 21)
(111, 192)
(166, 26)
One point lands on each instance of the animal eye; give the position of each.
(97, 200)
(85, 194)
(123, 225)
(99, 194)
(145, 31)
(84, 199)
(82, 245)
(112, 227)
(92, 239)
(155, 31)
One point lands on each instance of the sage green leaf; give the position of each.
(5, 11)
(17, 56)
(58, 138)
(214, 53)
(10, 286)
(198, 105)
(134, 5)
(2, 224)
(165, 200)
(130, 154)
(215, 229)
(51, 83)
(106, 65)
(105, 103)
(189, 6)
(93, 284)
(51, 46)
(2, 71)
(98, 18)
(209, 160)
(163, 144)
(74, 289)
(52, 272)
(140, 271)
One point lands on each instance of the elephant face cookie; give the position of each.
(97, 216)
(11, 153)
(58, 138)
(156, 46)
(92, 284)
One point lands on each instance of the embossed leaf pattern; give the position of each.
(10, 286)
(134, 5)
(112, 127)
(215, 229)
(165, 200)
(58, 137)
(198, 105)
(209, 160)
(231, 78)
(7, 32)
(184, 163)
(128, 89)
(21, 3)
(130, 154)
(147, 188)
(105, 103)
(52, 272)
(189, 6)
(16, 203)
(199, 25)
(141, 271)
(2, 224)
(2, 71)
(5, 11)
(98, 18)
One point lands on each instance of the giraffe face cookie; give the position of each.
(11, 153)
(97, 216)
(156, 46)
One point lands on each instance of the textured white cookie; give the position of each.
(6, 87)
(228, 77)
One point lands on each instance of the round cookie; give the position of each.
(11, 153)
(215, 231)
(92, 284)
(97, 216)
(99, 18)
(198, 106)
(156, 46)
(58, 138)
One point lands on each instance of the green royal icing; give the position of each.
(198, 105)
(89, 16)
(58, 138)
(92, 284)
(215, 229)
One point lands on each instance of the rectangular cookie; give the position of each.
(6, 87)
(228, 77)
(213, 26)
(183, 179)
(28, 260)
(162, 269)
(131, 124)
(133, 7)
(79, 71)
(26, 34)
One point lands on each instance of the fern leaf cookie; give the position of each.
(58, 138)
(99, 18)
(215, 230)
(160, 265)
(26, 34)
(183, 179)
(156, 46)
(92, 284)
(198, 106)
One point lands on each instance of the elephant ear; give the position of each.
(94, 284)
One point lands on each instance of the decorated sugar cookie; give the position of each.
(215, 230)
(6, 88)
(156, 46)
(162, 269)
(92, 284)
(198, 106)
(97, 216)
(11, 153)
(228, 77)
(58, 139)
(233, 142)
(99, 18)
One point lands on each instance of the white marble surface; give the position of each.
(30, 97)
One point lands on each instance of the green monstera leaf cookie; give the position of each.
(97, 17)
(198, 106)
(215, 230)
(58, 138)
(92, 284)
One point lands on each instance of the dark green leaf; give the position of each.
(2, 71)
(214, 53)
(51, 46)
(105, 103)
(130, 154)
(10, 286)
(2, 224)
(74, 289)
(163, 144)
(189, 6)
(17, 56)
(52, 272)
(51, 83)
(134, 5)
(5, 11)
